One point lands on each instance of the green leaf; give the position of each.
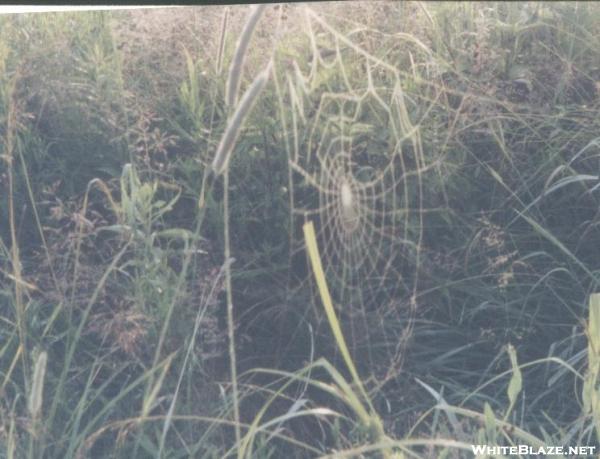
(490, 423)
(516, 381)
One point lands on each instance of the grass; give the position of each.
(179, 275)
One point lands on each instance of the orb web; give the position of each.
(356, 170)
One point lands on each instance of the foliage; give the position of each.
(158, 297)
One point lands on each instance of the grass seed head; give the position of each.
(37, 388)
(237, 64)
(236, 122)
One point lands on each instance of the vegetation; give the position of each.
(327, 230)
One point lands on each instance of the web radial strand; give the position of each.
(357, 167)
(357, 224)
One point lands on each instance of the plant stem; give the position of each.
(230, 320)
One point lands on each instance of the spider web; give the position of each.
(356, 170)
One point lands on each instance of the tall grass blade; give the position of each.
(516, 381)
(317, 268)
(375, 425)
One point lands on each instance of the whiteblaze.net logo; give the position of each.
(482, 451)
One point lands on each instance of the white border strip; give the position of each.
(12, 9)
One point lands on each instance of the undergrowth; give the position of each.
(326, 230)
